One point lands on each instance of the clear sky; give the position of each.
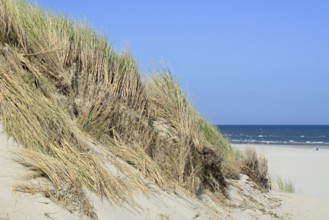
(240, 62)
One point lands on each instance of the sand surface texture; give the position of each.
(15, 205)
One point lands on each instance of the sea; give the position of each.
(315, 135)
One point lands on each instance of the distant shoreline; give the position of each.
(300, 146)
(288, 135)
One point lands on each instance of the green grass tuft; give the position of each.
(284, 185)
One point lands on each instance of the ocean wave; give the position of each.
(278, 142)
(314, 142)
(234, 140)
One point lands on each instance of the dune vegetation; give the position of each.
(79, 108)
(283, 185)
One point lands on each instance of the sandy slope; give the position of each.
(18, 206)
(245, 202)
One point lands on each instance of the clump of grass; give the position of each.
(175, 130)
(186, 150)
(231, 166)
(256, 168)
(284, 185)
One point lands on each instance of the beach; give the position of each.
(306, 168)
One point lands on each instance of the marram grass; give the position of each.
(283, 185)
(77, 107)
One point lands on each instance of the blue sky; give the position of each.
(240, 62)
